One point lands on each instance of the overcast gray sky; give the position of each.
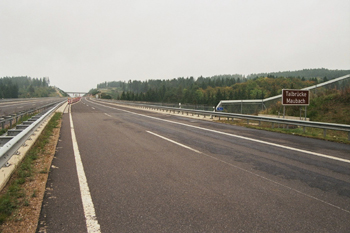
(78, 44)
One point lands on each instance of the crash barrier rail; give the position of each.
(16, 137)
(14, 118)
(281, 121)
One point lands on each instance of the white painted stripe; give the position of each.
(177, 143)
(92, 107)
(252, 173)
(108, 115)
(92, 224)
(238, 136)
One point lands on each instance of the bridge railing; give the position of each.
(255, 105)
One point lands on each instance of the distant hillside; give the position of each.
(210, 90)
(305, 73)
(26, 87)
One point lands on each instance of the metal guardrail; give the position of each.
(16, 138)
(283, 121)
(8, 120)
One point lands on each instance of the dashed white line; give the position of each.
(182, 145)
(92, 224)
(108, 115)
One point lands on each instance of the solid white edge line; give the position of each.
(172, 141)
(92, 224)
(237, 136)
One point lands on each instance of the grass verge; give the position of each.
(331, 135)
(15, 196)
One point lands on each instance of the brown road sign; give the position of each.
(295, 97)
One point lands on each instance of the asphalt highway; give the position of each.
(11, 106)
(120, 169)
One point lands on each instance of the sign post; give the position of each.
(291, 97)
(295, 97)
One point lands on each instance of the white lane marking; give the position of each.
(177, 143)
(250, 172)
(92, 107)
(237, 136)
(108, 115)
(92, 224)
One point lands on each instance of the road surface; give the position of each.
(120, 169)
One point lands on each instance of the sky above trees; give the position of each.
(78, 44)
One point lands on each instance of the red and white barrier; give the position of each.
(73, 100)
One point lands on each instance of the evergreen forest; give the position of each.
(25, 87)
(210, 90)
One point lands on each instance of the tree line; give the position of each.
(207, 91)
(23, 86)
(210, 90)
(306, 73)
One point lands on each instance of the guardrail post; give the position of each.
(324, 133)
(349, 136)
(273, 125)
(247, 122)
